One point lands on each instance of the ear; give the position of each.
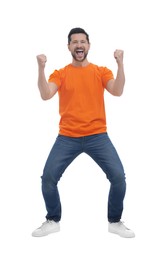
(68, 45)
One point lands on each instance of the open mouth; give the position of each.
(79, 53)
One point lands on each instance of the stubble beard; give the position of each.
(79, 60)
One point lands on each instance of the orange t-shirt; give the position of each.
(81, 99)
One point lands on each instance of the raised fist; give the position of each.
(41, 60)
(118, 55)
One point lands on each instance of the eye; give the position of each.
(74, 42)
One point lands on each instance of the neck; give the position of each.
(80, 63)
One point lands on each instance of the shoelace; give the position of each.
(44, 223)
(122, 223)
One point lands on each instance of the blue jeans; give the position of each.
(101, 150)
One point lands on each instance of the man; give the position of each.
(81, 86)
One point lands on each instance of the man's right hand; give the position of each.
(42, 59)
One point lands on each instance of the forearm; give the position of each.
(43, 84)
(119, 82)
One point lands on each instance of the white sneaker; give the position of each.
(120, 229)
(47, 228)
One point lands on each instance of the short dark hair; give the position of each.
(75, 31)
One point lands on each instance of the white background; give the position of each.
(29, 127)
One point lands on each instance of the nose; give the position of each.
(79, 44)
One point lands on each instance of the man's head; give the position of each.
(76, 31)
(78, 44)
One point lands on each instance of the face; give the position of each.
(79, 46)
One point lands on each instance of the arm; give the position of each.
(47, 90)
(116, 86)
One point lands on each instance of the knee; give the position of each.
(46, 184)
(48, 180)
(118, 177)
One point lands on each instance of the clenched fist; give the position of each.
(118, 55)
(41, 60)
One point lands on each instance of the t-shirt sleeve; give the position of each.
(106, 76)
(56, 78)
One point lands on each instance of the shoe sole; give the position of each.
(115, 233)
(45, 234)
